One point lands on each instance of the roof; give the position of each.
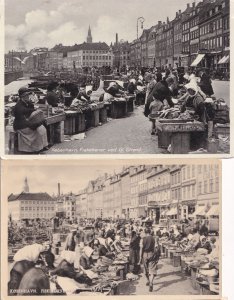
(31, 196)
(90, 46)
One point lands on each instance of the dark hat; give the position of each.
(24, 91)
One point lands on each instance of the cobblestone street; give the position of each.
(119, 136)
(169, 281)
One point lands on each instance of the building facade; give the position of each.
(31, 206)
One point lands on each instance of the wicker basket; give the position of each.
(36, 118)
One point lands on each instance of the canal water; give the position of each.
(14, 86)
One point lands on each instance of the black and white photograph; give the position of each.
(117, 77)
(112, 228)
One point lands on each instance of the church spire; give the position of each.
(89, 36)
(26, 187)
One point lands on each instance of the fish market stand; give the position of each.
(203, 272)
(178, 133)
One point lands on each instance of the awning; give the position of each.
(197, 60)
(200, 211)
(172, 211)
(224, 60)
(214, 211)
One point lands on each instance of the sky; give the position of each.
(49, 22)
(44, 176)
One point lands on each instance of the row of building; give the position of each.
(198, 35)
(137, 191)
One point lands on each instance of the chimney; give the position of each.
(188, 5)
(116, 39)
(179, 11)
(194, 3)
(58, 189)
(159, 23)
(176, 14)
(167, 20)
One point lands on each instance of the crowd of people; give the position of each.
(156, 90)
(78, 255)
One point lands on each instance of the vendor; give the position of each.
(85, 93)
(31, 139)
(204, 244)
(51, 97)
(86, 258)
(102, 250)
(111, 92)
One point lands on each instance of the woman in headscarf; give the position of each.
(31, 138)
(131, 86)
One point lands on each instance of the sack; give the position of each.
(36, 118)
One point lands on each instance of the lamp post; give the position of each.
(142, 20)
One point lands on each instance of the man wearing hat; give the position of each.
(30, 139)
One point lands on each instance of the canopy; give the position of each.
(172, 212)
(200, 211)
(214, 211)
(197, 60)
(226, 60)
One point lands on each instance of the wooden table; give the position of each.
(180, 133)
(55, 128)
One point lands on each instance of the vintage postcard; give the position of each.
(107, 77)
(122, 227)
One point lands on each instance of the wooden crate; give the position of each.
(103, 115)
(164, 139)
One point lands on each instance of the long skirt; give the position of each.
(32, 140)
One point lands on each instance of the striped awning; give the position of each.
(197, 60)
(200, 211)
(224, 60)
(214, 211)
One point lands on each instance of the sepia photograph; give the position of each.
(117, 77)
(112, 228)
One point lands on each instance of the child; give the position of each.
(155, 107)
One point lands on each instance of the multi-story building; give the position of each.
(138, 53)
(189, 190)
(207, 187)
(169, 44)
(137, 174)
(116, 207)
(18, 60)
(91, 201)
(158, 197)
(54, 60)
(158, 45)
(175, 172)
(194, 30)
(185, 57)
(89, 55)
(69, 204)
(177, 38)
(142, 196)
(125, 192)
(81, 204)
(108, 204)
(152, 47)
(144, 47)
(211, 33)
(31, 206)
(133, 54)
